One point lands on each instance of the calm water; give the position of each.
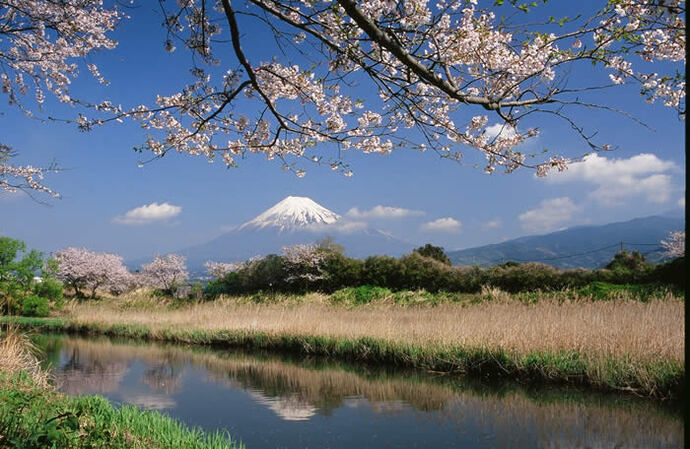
(277, 402)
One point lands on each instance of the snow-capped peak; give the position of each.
(293, 212)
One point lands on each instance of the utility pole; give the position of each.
(621, 246)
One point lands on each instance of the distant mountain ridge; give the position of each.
(580, 246)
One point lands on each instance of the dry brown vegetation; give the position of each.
(644, 331)
(18, 353)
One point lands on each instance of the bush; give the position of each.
(433, 252)
(340, 272)
(49, 289)
(363, 294)
(525, 277)
(606, 291)
(672, 273)
(383, 271)
(35, 306)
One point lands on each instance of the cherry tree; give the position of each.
(84, 269)
(452, 70)
(165, 272)
(675, 245)
(40, 42)
(218, 270)
(304, 262)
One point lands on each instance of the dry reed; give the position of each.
(18, 353)
(649, 331)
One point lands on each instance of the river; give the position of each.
(271, 401)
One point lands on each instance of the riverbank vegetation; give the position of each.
(621, 344)
(33, 414)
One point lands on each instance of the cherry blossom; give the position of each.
(448, 69)
(165, 272)
(218, 270)
(303, 262)
(84, 269)
(675, 245)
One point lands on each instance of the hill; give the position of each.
(581, 246)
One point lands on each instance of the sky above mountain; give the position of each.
(109, 202)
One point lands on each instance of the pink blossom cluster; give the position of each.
(448, 68)
(13, 177)
(84, 269)
(165, 272)
(218, 270)
(303, 262)
(41, 39)
(675, 244)
(40, 42)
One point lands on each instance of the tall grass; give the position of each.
(618, 344)
(653, 330)
(19, 354)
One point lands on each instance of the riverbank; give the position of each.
(33, 414)
(621, 345)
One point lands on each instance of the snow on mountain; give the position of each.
(292, 213)
(293, 220)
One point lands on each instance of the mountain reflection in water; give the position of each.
(271, 401)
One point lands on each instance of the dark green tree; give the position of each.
(433, 252)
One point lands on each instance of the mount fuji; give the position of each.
(293, 220)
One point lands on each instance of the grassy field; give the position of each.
(33, 415)
(618, 344)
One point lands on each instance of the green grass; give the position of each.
(663, 380)
(34, 417)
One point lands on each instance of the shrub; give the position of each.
(340, 272)
(35, 306)
(525, 277)
(49, 289)
(421, 272)
(363, 294)
(433, 252)
(672, 273)
(383, 271)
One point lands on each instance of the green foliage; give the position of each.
(363, 294)
(35, 306)
(433, 252)
(49, 289)
(426, 269)
(16, 274)
(383, 271)
(599, 290)
(341, 272)
(671, 273)
(31, 417)
(624, 260)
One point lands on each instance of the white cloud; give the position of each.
(502, 129)
(383, 212)
(549, 214)
(615, 179)
(681, 203)
(446, 224)
(148, 213)
(491, 224)
(340, 226)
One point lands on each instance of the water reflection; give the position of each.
(269, 401)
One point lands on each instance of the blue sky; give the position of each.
(103, 181)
